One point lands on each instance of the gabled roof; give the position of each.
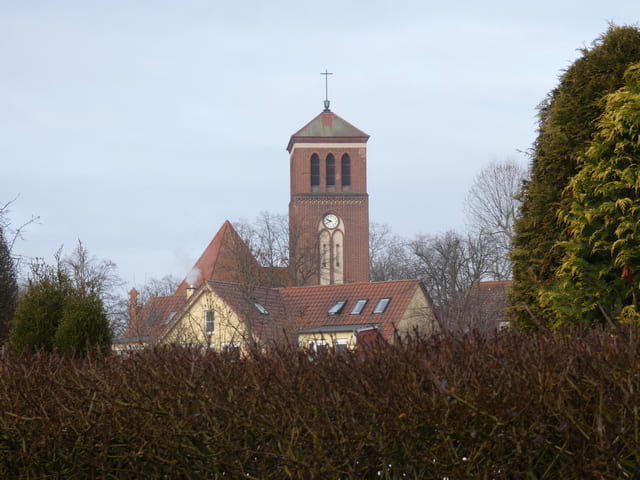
(153, 319)
(269, 327)
(220, 260)
(327, 125)
(310, 305)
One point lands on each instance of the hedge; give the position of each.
(516, 405)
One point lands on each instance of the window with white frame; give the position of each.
(230, 346)
(208, 322)
(317, 345)
(340, 345)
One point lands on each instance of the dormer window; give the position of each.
(337, 307)
(381, 306)
(359, 306)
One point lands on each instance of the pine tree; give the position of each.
(598, 279)
(567, 122)
(8, 289)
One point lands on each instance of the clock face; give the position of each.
(331, 221)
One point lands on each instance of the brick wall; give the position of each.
(307, 208)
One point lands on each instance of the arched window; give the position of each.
(331, 173)
(337, 241)
(325, 257)
(346, 173)
(315, 173)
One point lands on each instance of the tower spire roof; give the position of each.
(327, 125)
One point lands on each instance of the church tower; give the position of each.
(329, 206)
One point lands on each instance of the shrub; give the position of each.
(84, 323)
(38, 314)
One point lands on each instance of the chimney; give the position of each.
(190, 290)
(133, 304)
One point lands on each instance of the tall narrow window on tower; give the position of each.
(331, 173)
(337, 274)
(346, 173)
(315, 173)
(325, 258)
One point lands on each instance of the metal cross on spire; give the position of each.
(326, 74)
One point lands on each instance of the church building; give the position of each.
(324, 297)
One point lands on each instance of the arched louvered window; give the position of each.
(346, 173)
(331, 173)
(315, 173)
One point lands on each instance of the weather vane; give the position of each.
(326, 74)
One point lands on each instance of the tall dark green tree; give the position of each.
(567, 122)
(598, 280)
(84, 323)
(40, 309)
(8, 288)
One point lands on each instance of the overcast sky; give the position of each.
(139, 127)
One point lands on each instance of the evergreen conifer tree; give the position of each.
(40, 310)
(8, 289)
(598, 278)
(567, 121)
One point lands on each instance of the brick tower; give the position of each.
(329, 206)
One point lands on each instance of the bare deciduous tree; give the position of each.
(390, 257)
(449, 264)
(267, 238)
(12, 233)
(155, 287)
(492, 205)
(92, 276)
(286, 257)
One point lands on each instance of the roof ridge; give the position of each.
(353, 284)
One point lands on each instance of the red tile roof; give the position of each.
(220, 260)
(269, 328)
(310, 305)
(290, 310)
(152, 320)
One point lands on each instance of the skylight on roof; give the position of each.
(169, 317)
(359, 306)
(381, 306)
(261, 309)
(337, 307)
